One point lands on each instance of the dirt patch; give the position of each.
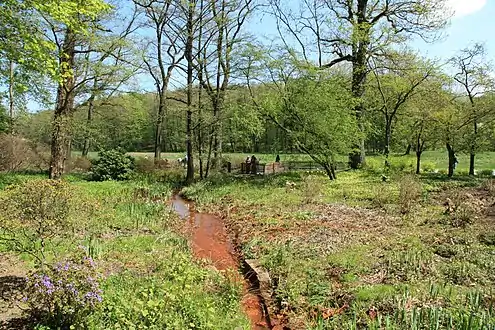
(12, 274)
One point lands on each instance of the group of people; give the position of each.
(252, 164)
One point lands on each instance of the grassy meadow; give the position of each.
(151, 280)
(366, 251)
(360, 253)
(431, 160)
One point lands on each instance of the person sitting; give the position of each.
(277, 159)
(254, 162)
(247, 166)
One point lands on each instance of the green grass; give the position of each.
(331, 244)
(151, 279)
(437, 159)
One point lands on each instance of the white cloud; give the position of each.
(466, 7)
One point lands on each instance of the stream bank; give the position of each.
(210, 240)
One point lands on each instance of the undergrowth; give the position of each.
(150, 279)
(364, 252)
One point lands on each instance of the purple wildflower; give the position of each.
(93, 296)
(47, 282)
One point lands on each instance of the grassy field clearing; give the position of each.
(431, 160)
(413, 252)
(360, 253)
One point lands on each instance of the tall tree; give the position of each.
(68, 22)
(164, 51)
(396, 80)
(289, 93)
(109, 63)
(224, 34)
(330, 32)
(474, 74)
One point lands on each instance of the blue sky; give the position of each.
(474, 21)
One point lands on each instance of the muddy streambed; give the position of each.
(210, 241)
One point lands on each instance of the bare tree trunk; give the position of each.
(472, 153)
(359, 73)
(200, 91)
(199, 135)
(158, 128)
(451, 153)
(418, 162)
(208, 159)
(189, 59)
(408, 150)
(89, 119)
(388, 135)
(11, 97)
(62, 119)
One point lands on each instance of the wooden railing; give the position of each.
(273, 168)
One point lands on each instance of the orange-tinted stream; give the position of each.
(210, 241)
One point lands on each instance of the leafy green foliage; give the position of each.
(112, 165)
(33, 212)
(4, 120)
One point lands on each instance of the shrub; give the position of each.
(41, 159)
(312, 188)
(487, 238)
(382, 195)
(113, 165)
(374, 165)
(81, 164)
(428, 167)
(462, 209)
(489, 186)
(34, 212)
(148, 165)
(144, 165)
(486, 173)
(62, 295)
(15, 153)
(409, 193)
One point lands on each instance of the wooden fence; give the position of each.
(272, 168)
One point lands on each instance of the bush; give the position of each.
(463, 209)
(81, 164)
(15, 153)
(487, 238)
(113, 165)
(34, 212)
(401, 164)
(144, 165)
(148, 165)
(489, 186)
(486, 173)
(428, 167)
(312, 189)
(65, 294)
(409, 193)
(382, 195)
(374, 165)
